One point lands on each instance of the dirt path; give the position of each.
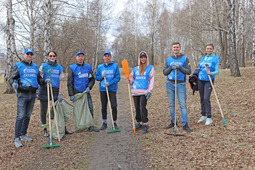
(118, 150)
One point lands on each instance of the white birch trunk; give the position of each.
(234, 68)
(253, 40)
(47, 30)
(10, 41)
(240, 43)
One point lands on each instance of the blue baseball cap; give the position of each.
(28, 50)
(79, 52)
(108, 52)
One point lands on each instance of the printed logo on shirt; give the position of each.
(29, 71)
(82, 75)
(174, 62)
(109, 71)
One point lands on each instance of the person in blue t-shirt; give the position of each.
(110, 70)
(204, 86)
(180, 63)
(53, 73)
(80, 79)
(24, 79)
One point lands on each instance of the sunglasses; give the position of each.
(29, 53)
(52, 56)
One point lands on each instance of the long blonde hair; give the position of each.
(142, 67)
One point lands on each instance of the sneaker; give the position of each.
(93, 128)
(26, 138)
(186, 128)
(116, 126)
(138, 126)
(17, 142)
(202, 118)
(67, 132)
(45, 133)
(104, 126)
(171, 125)
(145, 129)
(208, 121)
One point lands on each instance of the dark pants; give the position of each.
(205, 90)
(25, 105)
(89, 98)
(104, 100)
(140, 107)
(44, 107)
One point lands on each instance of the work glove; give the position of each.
(60, 98)
(103, 74)
(106, 84)
(49, 81)
(15, 86)
(87, 90)
(148, 95)
(175, 66)
(72, 98)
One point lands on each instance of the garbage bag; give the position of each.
(63, 111)
(81, 113)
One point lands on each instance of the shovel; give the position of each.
(175, 101)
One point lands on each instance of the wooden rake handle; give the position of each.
(56, 120)
(109, 102)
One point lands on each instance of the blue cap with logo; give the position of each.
(28, 50)
(79, 52)
(108, 52)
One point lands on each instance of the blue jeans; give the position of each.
(25, 104)
(181, 94)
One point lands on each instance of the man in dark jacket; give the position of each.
(180, 64)
(24, 79)
(80, 79)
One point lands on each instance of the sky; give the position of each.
(118, 7)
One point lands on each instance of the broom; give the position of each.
(124, 64)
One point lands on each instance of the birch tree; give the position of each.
(48, 10)
(253, 26)
(11, 46)
(241, 51)
(234, 68)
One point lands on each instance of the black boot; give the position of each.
(104, 126)
(171, 125)
(138, 126)
(67, 132)
(93, 128)
(45, 133)
(145, 129)
(186, 128)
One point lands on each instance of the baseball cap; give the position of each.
(28, 50)
(108, 52)
(143, 54)
(79, 52)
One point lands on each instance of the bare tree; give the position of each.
(48, 10)
(240, 43)
(253, 26)
(234, 68)
(11, 46)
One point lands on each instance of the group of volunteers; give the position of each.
(26, 77)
